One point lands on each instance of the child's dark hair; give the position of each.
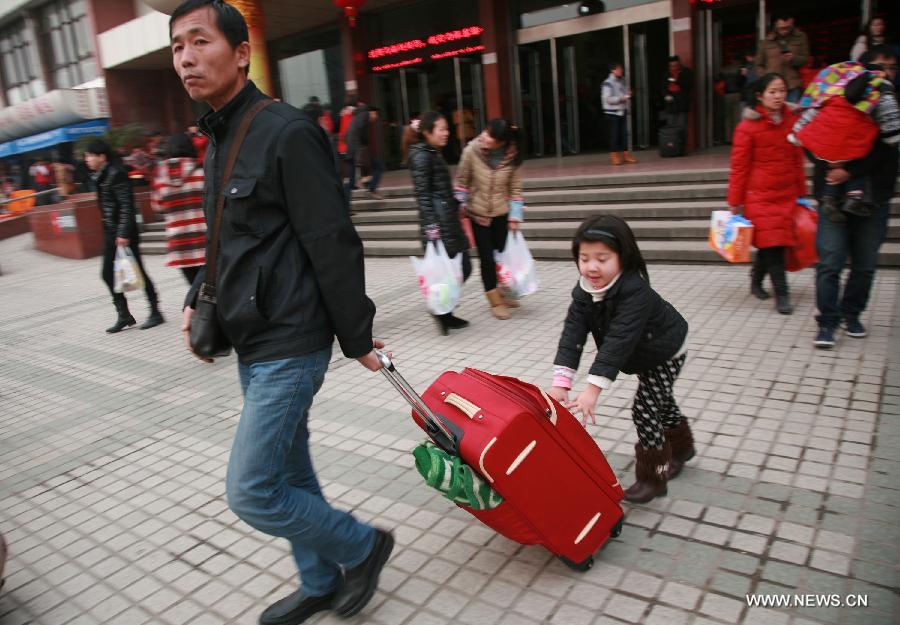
(180, 146)
(427, 123)
(615, 233)
(508, 133)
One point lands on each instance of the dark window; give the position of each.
(21, 68)
(67, 36)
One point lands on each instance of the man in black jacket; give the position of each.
(858, 237)
(676, 93)
(290, 279)
(117, 208)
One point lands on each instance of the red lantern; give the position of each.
(350, 8)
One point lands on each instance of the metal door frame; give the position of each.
(404, 98)
(641, 82)
(554, 80)
(571, 93)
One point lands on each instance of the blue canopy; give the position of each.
(63, 134)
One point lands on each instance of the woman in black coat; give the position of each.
(117, 208)
(438, 209)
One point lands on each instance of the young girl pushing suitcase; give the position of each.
(636, 331)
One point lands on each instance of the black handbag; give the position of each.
(206, 335)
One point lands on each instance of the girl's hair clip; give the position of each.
(598, 232)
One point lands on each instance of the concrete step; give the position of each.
(619, 179)
(579, 196)
(643, 229)
(623, 180)
(677, 251)
(152, 248)
(152, 236)
(699, 209)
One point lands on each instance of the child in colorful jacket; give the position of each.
(847, 107)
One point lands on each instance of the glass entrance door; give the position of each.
(583, 63)
(389, 99)
(531, 102)
(469, 115)
(535, 86)
(648, 50)
(453, 87)
(415, 98)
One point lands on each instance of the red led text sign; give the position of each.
(433, 40)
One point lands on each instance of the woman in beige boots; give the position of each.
(489, 188)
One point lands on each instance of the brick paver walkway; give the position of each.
(113, 452)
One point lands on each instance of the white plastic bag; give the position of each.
(440, 278)
(127, 275)
(516, 273)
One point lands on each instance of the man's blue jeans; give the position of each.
(377, 172)
(271, 483)
(860, 238)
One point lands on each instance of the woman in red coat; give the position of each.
(766, 179)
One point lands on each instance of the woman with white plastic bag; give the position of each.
(440, 278)
(516, 273)
(438, 209)
(489, 187)
(127, 274)
(117, 208)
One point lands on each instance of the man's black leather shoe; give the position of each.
(361, 581)
(294, 609)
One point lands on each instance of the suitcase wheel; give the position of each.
(581, 567)
(616, 529)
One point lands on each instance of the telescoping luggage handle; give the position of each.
(435, 424)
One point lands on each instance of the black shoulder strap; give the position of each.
(220, 196)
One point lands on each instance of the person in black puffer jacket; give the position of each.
(438, 209)
(636, 331)
(117, 208)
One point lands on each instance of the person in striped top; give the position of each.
(178, 194)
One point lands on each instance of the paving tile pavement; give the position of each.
(113, 452)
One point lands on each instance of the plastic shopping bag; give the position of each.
(516, 272)
(440, 277)
(803, 253)
(127, 275)
(731, 236)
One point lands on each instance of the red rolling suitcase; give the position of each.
(558, 489)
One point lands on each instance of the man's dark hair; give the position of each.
(228, 19)
(783, 16)
(180, 146)
(314, 110)
(674, 57)
(614, 65)
(875, 51)
(99, 146)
